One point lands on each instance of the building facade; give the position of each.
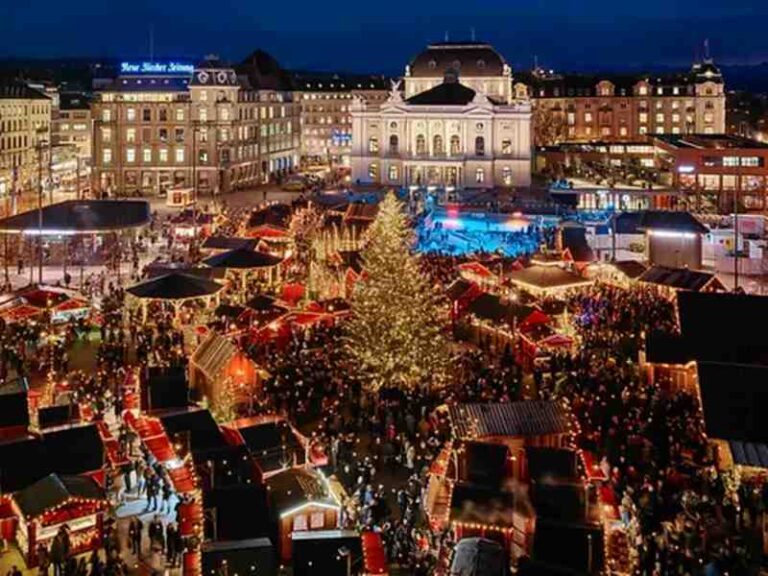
(624, 108)
(25, 136)
(716, 171)
(456, 123)
(326, 120)
(71, 123)
(210, 127)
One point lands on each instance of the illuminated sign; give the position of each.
(156, 68)
(685, 169)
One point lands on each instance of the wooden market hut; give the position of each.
(244, 261)
(317, 552)
(674, 280)
(253, 555)
(218, 367)
(56, 501)
(175, 288)
(542, 280)
(301, 500)
(273, 443)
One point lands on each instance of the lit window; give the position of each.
(643, 90)
(299, 522)
(147, 155)
(130, 114)
(179, 114)
(437, 145)
(643, 130)
(373, 145)
(393, 173)
(203, 114)
(643, 117)
(224, 113)
(675, 117)
(373, 171)
(675, 105)
(163, 154)
(317, 520)
(675, 91)
(130, 135)
(675, 130)
(179, 155)
(106, 135)
(660, 118)
(587, 116)
(709, 117)
(623, 131)
(506, 175)
(106, 156)
(421, 145)
(130, 155)
(203, 96)
(659, 90)
(506, 147)
(571, 118)
(106, 115)
(479, 175)
(455, 145)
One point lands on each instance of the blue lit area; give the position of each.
(450, 231)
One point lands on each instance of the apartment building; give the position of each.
(570, 108)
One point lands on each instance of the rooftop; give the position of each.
(710, 142)
(80, 217)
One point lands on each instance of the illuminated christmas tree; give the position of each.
(394, 335)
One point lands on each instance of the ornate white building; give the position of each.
(454, 122)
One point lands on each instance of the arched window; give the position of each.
(506, 174)
(479, 175)
(421, 145)
(455, 145)
(437, 145)
(373, 144)
(394, 144)
(479, 146)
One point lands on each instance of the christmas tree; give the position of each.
(394, 336)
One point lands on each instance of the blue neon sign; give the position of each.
(156, 68)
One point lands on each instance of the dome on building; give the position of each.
(464, 58)
(707, 71)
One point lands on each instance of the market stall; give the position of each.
(244, 262)
(221, 373)
(74, 504)
(176, 289)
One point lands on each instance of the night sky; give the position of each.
(374, 36)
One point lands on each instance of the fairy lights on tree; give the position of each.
(394, 336)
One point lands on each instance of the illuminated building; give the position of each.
(453, 123)
(158, 124)
(326, 121)
(25, 131)
(571, 107)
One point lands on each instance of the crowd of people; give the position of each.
(681, 516)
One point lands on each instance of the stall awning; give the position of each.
(80, 217)
(175, 286)
(55, 490)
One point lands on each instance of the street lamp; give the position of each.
(41, 143)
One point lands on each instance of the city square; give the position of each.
(462, 320)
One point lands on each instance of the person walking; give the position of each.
(135, 528)
(170, 544)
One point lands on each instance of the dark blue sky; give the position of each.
(381, 36)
